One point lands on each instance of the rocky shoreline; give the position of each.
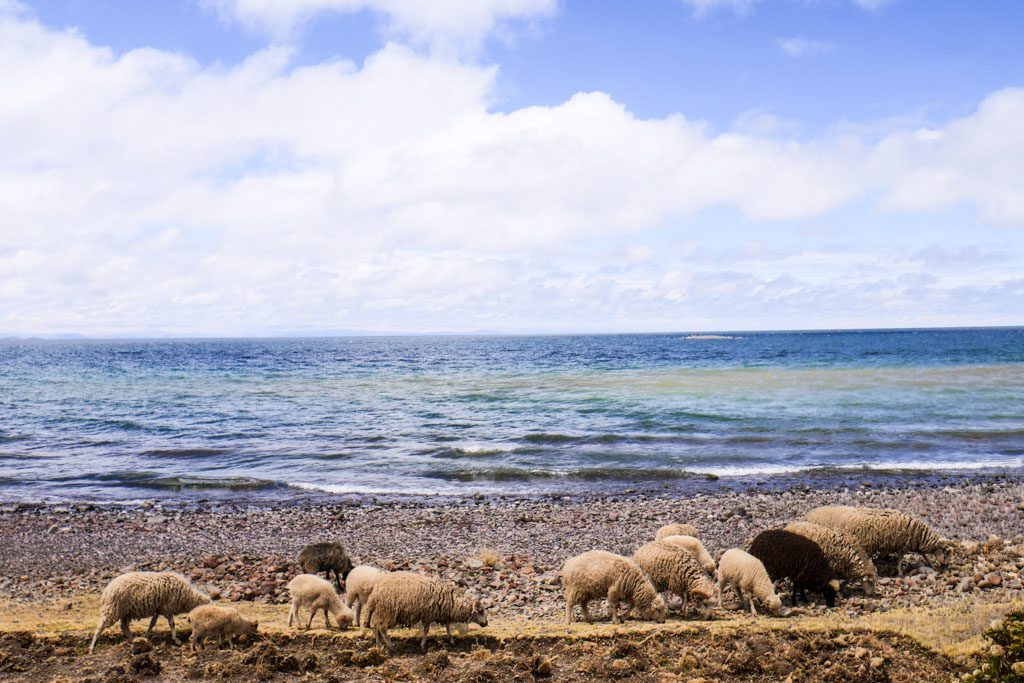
(506, 550)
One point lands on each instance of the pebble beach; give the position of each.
(505, 550)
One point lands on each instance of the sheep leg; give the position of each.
(174, 631)
(686, 604)
(309, 624)
(125, 631)
(359, 609)
(152, 623)
(448, 628)
(899, 565)
(193, 639)
(721, 589)
(423, 640)
(231, 642)
(293, 613)
(327, 620)
(104, 623)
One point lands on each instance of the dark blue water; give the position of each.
(135, 419)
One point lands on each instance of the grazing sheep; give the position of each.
(676, 530)
(749, 579)
(326, 557)
(408, 599)
(137, 595)
(598, 574)
(674, 568)
(695, 547)
(843, 553)
(790, 556)
(883, 532)
(315, 594)
(359, 585)
(222, 623)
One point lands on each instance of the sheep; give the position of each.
(136, 595)
(408, 599)
(748, 577)
(315, 594)
(790, 556)
(843, 553)
(695, 547)
(674, 568)
(359, 585)
(883, 532)
(222, 623)
(326, 557)
(598, 574)
(675, 530)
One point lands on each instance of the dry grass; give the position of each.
(489, 558)
(951, 630)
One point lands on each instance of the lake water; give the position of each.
(109, 420)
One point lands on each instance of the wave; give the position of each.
(157, 480)
(517, 474)
(469, 451)
(703, 337)
(180, 483)
(184, 452)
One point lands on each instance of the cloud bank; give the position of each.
(147, 193)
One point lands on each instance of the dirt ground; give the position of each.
(46, 643)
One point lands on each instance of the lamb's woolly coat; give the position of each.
(326, 557)
(791, 556)
(843, 553)
(883, 532)
(410, 599)
(748, 577)
(697, 548)
(676, 530)
(598, 574)
(674, 568)
(215, 621)
(313, 593)
(358, 586)
(137, 595)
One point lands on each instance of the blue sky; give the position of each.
(234, 167)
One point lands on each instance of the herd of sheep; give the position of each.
(832, 544)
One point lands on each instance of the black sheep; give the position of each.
(326, 557)
(790, 556)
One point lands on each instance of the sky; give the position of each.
(293, 167)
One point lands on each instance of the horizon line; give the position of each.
(355, 334)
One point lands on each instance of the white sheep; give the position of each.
(674, 568)
(598, 574)
(137, 595)
(697, 548)
(883, 532)
(676, 530)
(410, 599)
(315, 594)
(847, 558)
(215, 621)
(748, 577)
(358, 587)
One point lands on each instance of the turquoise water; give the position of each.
(140, 419)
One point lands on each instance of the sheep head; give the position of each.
(479, 614)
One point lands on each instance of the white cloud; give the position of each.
(703, 7)
(458, 21)
(871, 5)
(803, 47)
(146, 192)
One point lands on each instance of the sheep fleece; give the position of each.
(672, 568)
(879, 531)
(409, 599)
(591, 575)
(136, 595)
(844, 553)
